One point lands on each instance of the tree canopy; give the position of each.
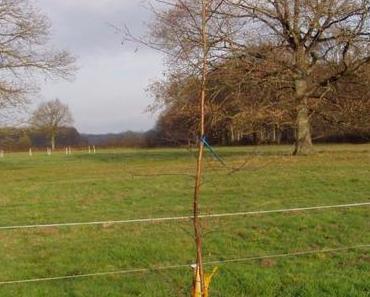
(25, 54)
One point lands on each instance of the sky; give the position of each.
(107, 93)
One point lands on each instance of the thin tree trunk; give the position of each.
(232, 135)
(279, 132)
(262, 136)
(303, 141)
(199, 170)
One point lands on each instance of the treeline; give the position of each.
(246, 106)
(174, 136)
(15, 139)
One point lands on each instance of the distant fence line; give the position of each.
(91, 149)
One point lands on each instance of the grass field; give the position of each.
(130, 184)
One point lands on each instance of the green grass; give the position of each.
(130, 184)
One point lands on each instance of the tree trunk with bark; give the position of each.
(232, 135)
(303, 141)
(52, 140)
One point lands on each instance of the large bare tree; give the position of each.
(24, 52)
(318, 41)
(50, 116)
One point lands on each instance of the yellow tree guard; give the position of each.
(197, 289)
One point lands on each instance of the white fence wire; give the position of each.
(178, 266)
(185, 218)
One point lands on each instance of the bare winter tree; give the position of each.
(24, 52)
(323, 41)
(50, 116)
(188, 32)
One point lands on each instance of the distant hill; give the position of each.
(100, 139)
(128, 138)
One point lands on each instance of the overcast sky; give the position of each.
(108, 92)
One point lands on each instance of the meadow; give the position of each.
(132, 184)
